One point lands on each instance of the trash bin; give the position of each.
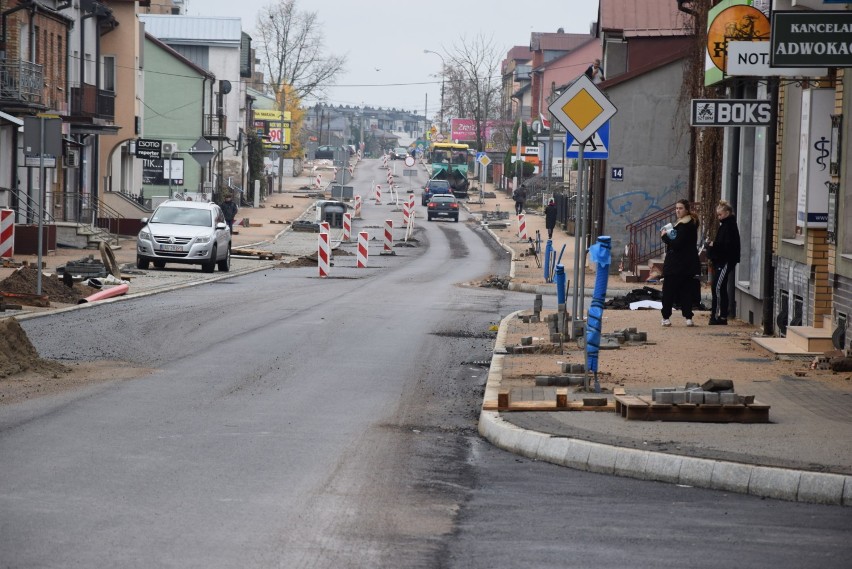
(332, 213)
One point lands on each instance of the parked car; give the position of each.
(325, 153)
(443, 205)
(433, 187)
(185, 232)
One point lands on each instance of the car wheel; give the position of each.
(159, 264)
(225, 264)
(211, 264)
(141, 263)
(429, 217)
(456, 219)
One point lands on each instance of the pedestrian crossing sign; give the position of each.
(596, 148)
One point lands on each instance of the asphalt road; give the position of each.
(293, 422)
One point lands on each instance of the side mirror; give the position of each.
(221, 225)
(144, 220)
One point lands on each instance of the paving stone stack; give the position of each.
(711, 392)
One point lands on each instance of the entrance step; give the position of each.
(810, 339)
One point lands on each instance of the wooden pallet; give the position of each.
(559, 403)
(257, 253)
(644, 409)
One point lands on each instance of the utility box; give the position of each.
(330, 211)
(339, 192)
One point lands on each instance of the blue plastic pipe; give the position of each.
(548, 248)
(560, 284)
(600, 253)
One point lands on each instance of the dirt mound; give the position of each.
(24, 281)
(18, 355)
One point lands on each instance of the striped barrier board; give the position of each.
(363, 249)
(7, 232)
(323, 255)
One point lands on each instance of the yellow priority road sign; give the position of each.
(582, 108)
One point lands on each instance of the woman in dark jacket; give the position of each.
(681, 266)
(550, 217)
(724, 254)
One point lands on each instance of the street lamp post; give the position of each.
(443, 67)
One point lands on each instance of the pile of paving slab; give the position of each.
(711, 392)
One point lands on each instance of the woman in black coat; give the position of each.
(724, 254)
(550, 217)
(681, 266)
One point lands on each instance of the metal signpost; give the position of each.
(582, 109)
(483, 161)
(42, 134)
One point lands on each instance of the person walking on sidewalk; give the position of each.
(520, 197)
(229, 210)
(550, 217)
(724, 254)
(681, 266)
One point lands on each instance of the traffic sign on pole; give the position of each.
(202, 151)
(582, 108)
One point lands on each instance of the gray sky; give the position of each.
(391, 35)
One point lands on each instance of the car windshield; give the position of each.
(443, 199)
(183, 216)
(438, 185)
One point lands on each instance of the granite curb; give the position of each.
(755, 480)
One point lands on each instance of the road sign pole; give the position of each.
(41, 187)
(579, 231)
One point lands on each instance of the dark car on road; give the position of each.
(433, 187)
(325, 152)
(443, 205)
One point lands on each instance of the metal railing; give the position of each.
(214, 126)
(81, 209)
(21, 81)
(26, 208)
(89, 101)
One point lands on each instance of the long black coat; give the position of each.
(550, 216)
(682, 251)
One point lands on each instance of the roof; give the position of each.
(165, 47)
(519, 52)
(192, 30)
(543, 41)
(647, 18)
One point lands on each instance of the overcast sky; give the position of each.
(383, 41)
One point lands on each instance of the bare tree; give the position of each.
(474, 82)
(292, 44)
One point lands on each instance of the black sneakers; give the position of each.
(718, 321)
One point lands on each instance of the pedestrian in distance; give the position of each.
(520, 197)
(724, 254)
(550, 217)
(229, 210)
(681, 267)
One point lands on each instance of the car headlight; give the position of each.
(145, 235)
(203, 239)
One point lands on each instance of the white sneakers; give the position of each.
(667, 323)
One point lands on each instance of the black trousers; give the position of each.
(719, 306)
(678, 288)
(519, 207)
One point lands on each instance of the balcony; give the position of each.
(87, 101)
(215, 127)
(21, 82)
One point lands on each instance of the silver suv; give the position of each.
(185, 232)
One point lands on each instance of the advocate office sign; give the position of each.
(811, 39)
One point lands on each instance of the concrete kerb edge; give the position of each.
(762, 481)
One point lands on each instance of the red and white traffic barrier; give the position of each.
(388, 235)
(378, 194)
(358, 206)
(347, 226)
(406, 214)
(323, 255)
(325, 227)
(522, 226)
(363, 250)
(318, 181)
(7, 232)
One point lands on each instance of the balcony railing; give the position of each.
(89, 101)
(214, 126)
(21, 81)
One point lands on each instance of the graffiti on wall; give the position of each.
(636, 204)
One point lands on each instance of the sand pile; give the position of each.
(18, 355)
(24, 281)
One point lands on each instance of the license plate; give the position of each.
(443, 213)
(171, 247)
